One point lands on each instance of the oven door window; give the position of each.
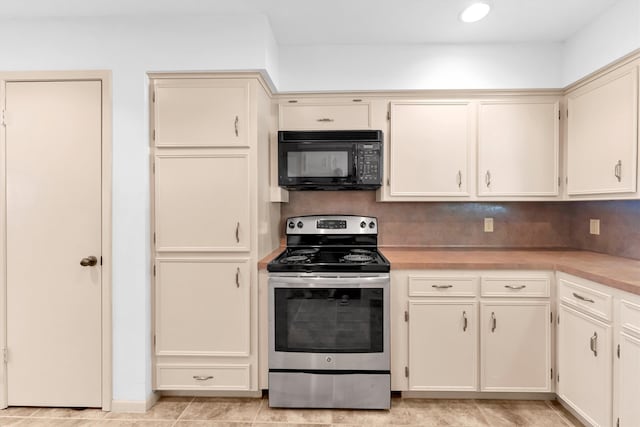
(321, 320)
(321, 164)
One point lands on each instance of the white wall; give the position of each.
(131, 47)
(389, 67)
(612, 35)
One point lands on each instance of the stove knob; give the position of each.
(291, 225)
(372, 224)
(299, 224)
(363, 224)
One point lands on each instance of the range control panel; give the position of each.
(332, 224)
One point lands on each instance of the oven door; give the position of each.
(316, 165)
(329, 322)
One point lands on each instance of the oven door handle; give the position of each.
(326, 281)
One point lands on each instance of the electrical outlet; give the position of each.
(488, 225)
(594, 226)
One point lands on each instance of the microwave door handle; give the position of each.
(355, 165)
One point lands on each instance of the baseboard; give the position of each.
(478, 395)
(211, 393)
(139, 406)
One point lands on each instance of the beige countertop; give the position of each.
(617, 272)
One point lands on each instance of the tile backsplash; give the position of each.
(461, 224)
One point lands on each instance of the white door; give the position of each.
(443, 342)
(629, 381)
(53, 172)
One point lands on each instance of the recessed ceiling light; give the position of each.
(475, 12)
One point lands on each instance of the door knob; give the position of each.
(89, 261)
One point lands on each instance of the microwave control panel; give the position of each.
(369, 158)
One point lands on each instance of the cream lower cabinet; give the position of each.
(445, 329)
(443, 349)
(627, 361)
(515, 346)
(585, 349)
(212, 222)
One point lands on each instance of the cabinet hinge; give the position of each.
(154, 134)
(154, 340)
(3, 118)
(558, 319)
(551, 374)
(100, 260)
(566, 180)
(154, 96)
(389, 115)
(558, 114)
(388, 181)
(153, 166)
(618, 351)
(551, 317)
(567, 113)
(559, 181)
(618, 422)
(406, 371)
(5, 354)
(154, 270)
(154, 237)
(406, 316)
(558, 377)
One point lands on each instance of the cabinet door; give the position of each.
(628, 381)
(430, 144)
(443, 343)
(201, 113)
(325, 116)
(202, 202)
(602, 135)
(518, 148)
(584, 365)
(202, 307)
(515, 346)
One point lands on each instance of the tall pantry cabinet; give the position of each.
(212, 221)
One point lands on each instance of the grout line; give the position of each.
(560, 414)
(482, 414)
(258, 411)
(183, 411)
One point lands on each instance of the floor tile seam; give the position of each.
(559, 413)
(477, 404)
(193, 398)
(255, 417)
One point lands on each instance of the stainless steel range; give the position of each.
(329, 316)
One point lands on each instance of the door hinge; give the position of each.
(406, 316)
(406, 371)
(389, 115)
(618, 351)
(3, 118)
(5, 355)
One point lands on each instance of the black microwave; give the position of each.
(330, 160)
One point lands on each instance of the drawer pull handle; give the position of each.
(235, 124)
(617, 171)
(459, 179)
(580, 297)
(238, 232)
(593, 344)
(465, 321)
(325, 120)
(487, 178)
(494, 322)
(238, 277)
(515, 287)
(442, 286)
(202, 377)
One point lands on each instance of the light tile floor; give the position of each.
(236, 412)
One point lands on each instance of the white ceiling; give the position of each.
(355, 21)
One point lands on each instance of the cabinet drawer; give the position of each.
(531, 287)
(630, 316)
(202, 377)
(443, 286)
(586, 299)
(323, 116)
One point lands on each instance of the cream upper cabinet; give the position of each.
(202, 202)
(313, 115)
(515, 346)
(443, 345)
(518, 148)
(201, 113)
(602, 135)
(430, 148)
